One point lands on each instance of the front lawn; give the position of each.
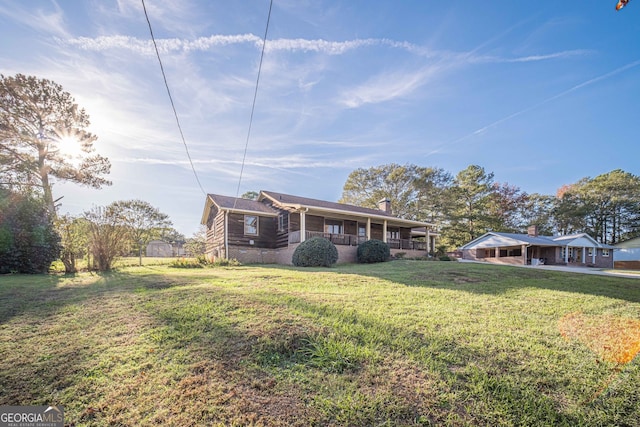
(400, 343)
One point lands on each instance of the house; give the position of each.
(627, 254)
(532, 249)
(268, 230)
(159, 248)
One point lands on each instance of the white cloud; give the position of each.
(43, 21)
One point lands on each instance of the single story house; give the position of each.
(627, 255)
(268, 230)
(160, 248)
(532, 249)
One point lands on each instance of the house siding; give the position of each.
(266, 237)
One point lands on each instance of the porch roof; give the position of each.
(325, 207)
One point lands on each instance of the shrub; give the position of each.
(186, 263)
(373, 251)
(315, 252)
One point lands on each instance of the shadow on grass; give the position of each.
(494, 279)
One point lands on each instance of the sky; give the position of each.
(541, 93)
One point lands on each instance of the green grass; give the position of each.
(400, 343)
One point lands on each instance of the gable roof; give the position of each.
(297, 202)
(237, 205)
(287, 201)
(494, 239)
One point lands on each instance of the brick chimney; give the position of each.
(532, 231)
(385, 205)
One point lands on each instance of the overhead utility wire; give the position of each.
(253, 106)
(175, 113)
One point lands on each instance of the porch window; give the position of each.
(281, 222)
(605, 252)
(362, 230)
(333, 226)
(590, 252)
(393, 234)
(251, 225)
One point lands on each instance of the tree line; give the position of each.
(44, 137)
(466, 205)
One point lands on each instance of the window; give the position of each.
(563, 253)
(251, 225)
(393, 234)
(590, 252)
(605, 252)
(333, 226)
(281, 222)
(362, 230)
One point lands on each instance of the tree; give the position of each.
(507, 208)
(43, 134)
(250, 195)
(366, 187)
(468, 206)
(609, 204)
(108, 235)
(74, 234)
(143, 221)
(432, 185)
(28, 240)
(538, 210)
(197, 244)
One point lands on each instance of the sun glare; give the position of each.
(70, 147)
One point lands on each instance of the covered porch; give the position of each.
(354, 240)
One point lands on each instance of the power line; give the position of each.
(175, 113)
(253, 106)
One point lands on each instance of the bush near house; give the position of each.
(373, 251)
(315, 252)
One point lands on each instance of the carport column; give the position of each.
(384, 231)
(303, 226)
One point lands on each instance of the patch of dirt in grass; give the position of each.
(614, 339)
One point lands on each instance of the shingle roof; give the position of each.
(227, 203)
(288, 199)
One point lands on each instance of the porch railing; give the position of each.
(353, 240)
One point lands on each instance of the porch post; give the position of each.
(384, 231)
(428, 241)
(566, 254)
(584, 255)
(303, 226)
(593, 255)
(368, 228)
(525, 255)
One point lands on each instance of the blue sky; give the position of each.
(542, 93)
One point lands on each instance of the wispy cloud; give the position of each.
(41, 20)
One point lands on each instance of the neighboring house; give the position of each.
(628, 254)
(532, 249)
(268, 230)
(158, 248)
